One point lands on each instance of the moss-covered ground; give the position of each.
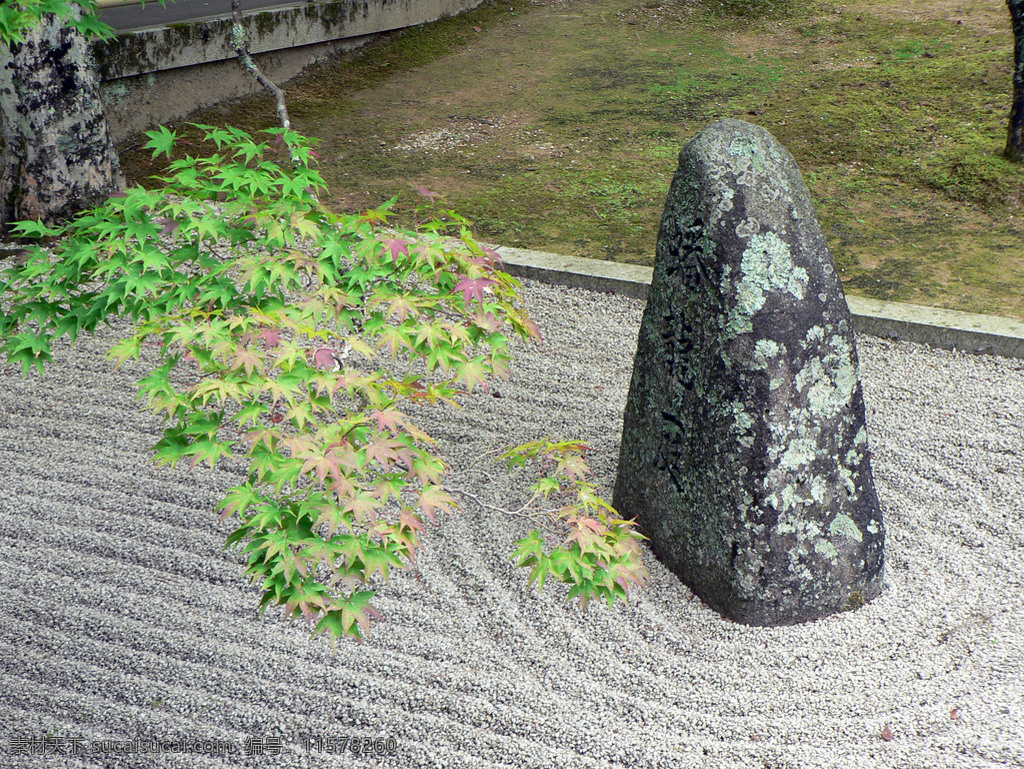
(555, 125)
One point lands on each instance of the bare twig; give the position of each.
(480, 458)
(240, 42)
(520, 513)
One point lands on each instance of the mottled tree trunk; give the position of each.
(1015, 132)
(58, 157)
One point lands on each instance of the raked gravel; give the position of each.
(122, 618)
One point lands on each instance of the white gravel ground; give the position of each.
(121, 618)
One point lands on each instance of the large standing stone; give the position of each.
(744, 451)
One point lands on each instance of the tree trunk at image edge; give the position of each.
(1015, 133)
(58, 157)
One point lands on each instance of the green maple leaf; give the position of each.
(143, 230)
(443, 356)
(474, 373)
(125, 349)
(547, 486)
(389, 487)
(430, 334)
(250, 413)
(91, 26)
(35, 230)
(361, 276)
(283, 299)
(247, 359)
(204, 424)
(395, 338)
(208, 449)
(541, 569)
(375, 559)
(567, 566)
(172, 447)
(348, 617)
(221, 293)
(297, 186)
(30, 349)
(154, 259)
(362, 505)
(268, 517)
(426, 467)
(161, 141)
(238, 500)
(307, 599)
(140, 285)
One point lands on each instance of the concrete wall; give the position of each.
(152, 76)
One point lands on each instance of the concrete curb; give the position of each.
(945, 329)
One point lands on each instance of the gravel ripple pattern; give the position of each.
(123, 619)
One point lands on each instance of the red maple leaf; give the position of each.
(574, 467)
(324, 464)
(396, 247)
(389, 419)
(343, 487)
(409, 520)
(363, 506)
(381, 450)
(271, 337)
(426, 192)
(533, 329)
(404, 459)
(435, 498)
(490, 258)
(346, 457)
(474, 287)
(170, 228)
(326, 358)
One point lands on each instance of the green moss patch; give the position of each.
(555, 125)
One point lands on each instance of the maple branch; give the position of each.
(520, 513)
(240, 42)
(481, 457)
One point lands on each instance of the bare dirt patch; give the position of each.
(460, 133)
(989, 17)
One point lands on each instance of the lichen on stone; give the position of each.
(800, 452)
(767, 265)
(843, 526)
(764, 350)
(826, 548)
(743, 147)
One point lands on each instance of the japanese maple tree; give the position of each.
(295, 342)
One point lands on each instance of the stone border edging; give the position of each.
(946, 329)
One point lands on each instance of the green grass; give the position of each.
(572, 115)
